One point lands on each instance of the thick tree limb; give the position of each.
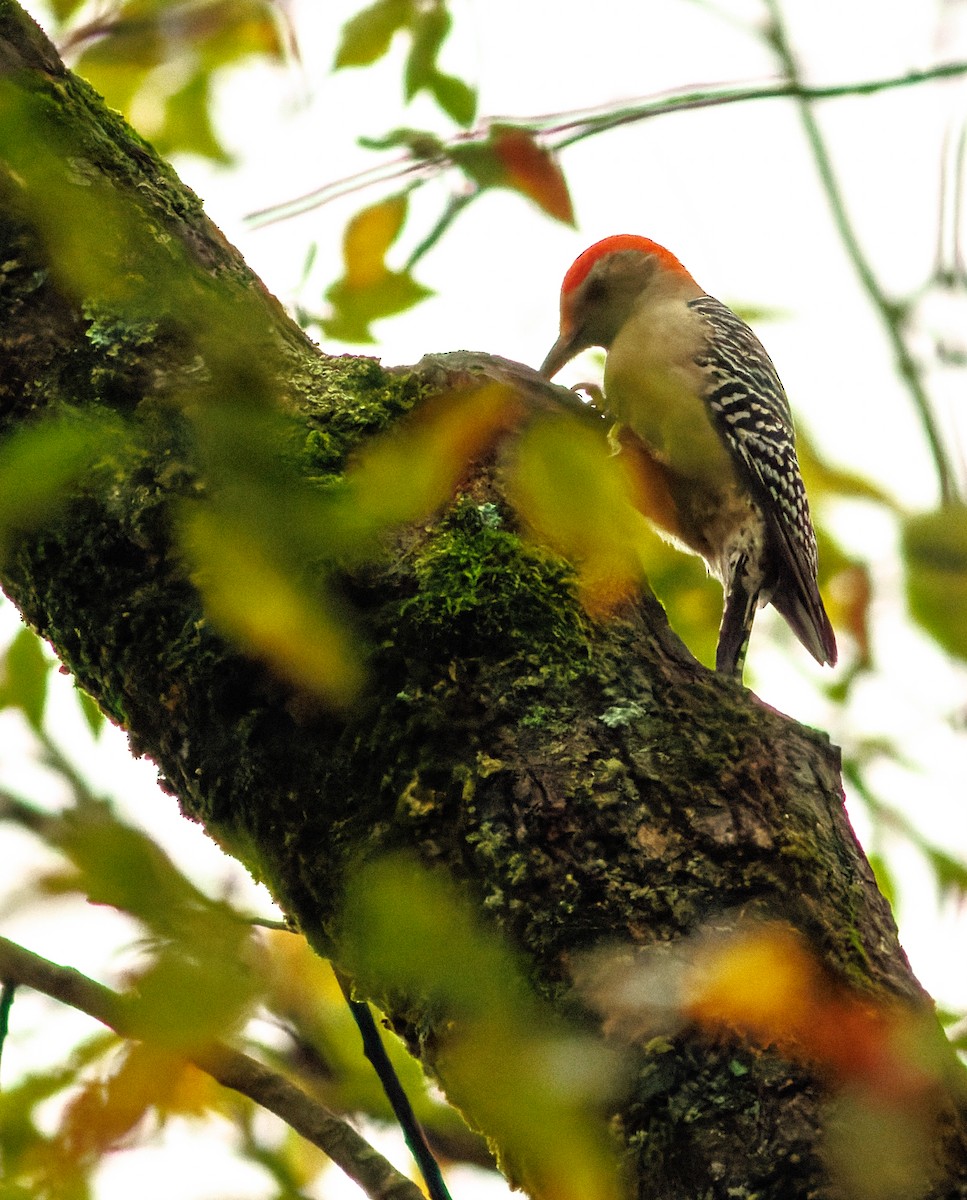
(585, 781)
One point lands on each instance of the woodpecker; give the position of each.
(699, 407)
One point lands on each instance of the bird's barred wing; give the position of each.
(748, 406)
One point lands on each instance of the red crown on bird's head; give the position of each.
(581, 267)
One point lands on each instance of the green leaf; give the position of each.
(366, 37)
(419, 143)
(26, 670)
(884, 878)
(168, 1011)
(457, 98)
(118, 865)
(200, 944)
(935, 552)
(63, 10)
(187, 127)
(430, 28)
(40, 464)
(409, 931)
(90, 711)
(950, 873)
(254, 596)
(354, 309)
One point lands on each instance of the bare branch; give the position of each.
(231, 1068)
(789, 88)
(564, 129)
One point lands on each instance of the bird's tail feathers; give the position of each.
(807, 618)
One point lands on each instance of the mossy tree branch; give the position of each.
(583, 780)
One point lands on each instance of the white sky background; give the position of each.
(733, 193)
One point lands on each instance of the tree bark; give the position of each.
(585, 781)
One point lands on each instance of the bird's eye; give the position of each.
(595, 290)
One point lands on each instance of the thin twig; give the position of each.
(455, 206)
(7, 991)
(579, 124)
(889, 312)
(397, 168)
(712, 97)
(413, 1134)
(233, 1069)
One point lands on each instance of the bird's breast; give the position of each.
(654, 388)
(653, 385)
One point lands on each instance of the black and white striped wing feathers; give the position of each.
(749, 408)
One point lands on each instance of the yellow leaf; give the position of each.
(368, 288)
(268, 610)
(368, 236)
(298, 981)
(410, 472)
(576, 498)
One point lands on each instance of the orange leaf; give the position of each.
(106, 1112)
(850, 595)
(298, 980)
(768, 986)
(532, 170)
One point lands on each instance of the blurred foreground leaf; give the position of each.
(303, 994)
(145, 1080)
(267, 548)
(33, 1159)
(170, 51)
(935, 555)
(260, 602)
(23, 677)
(409, 473)
(885, 1060)
(534, 1085)
(199, 946)
(576, 498)
(40, 465)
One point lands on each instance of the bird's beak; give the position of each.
(563, 350)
